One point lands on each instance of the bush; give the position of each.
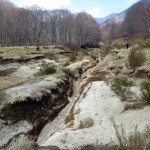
(136, 58)
(86, 123)
(120, 82)
(145, 89)
(37, 48)
(121, 86)
(46, 69)
(106, 50)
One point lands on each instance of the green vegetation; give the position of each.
(121, 86)
(145, 89)
(46, 70)
(121, 82)
(50, 55)
(86, 123)
(136, 58)
(37, 48)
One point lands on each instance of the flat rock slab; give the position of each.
(101, 104)
(30, 89)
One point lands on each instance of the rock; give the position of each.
(85, 63)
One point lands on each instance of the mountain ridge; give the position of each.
(117, 17)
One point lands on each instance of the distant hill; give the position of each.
(117, 17)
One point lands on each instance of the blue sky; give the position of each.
(97, 8)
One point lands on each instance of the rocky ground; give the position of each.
(62, 112)
(28, 100)
(99, 106)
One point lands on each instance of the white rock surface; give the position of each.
(27, 90)
(9, 131)
(101, 104)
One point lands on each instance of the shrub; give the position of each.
(86, 123)
(145, 89)
(121, 86)
(37, 48)
(46, 69)
(106, 50)
(121, 82)
(136, 58)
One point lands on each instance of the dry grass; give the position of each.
(145, 89)
(134, 105)
(86, 123)
(133, 141)
(136, 58)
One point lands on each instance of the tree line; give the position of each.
(35, 26)
(135, 24)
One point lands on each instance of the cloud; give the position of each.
(131, 1)
(94, 11)
(47, 4)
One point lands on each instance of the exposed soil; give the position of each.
(38, 113)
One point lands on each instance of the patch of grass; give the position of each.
(145, 89)
(45, 47)
(86, 123)
(46, 70)
(136, 58)
(73, 57)
(50, 55)
(121, 82)
(122, 85)
(145, 43)
(134, 141)
(106, 50)
(134, 105)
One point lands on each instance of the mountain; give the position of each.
(117, 17)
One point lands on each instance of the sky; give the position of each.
(97, 8)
